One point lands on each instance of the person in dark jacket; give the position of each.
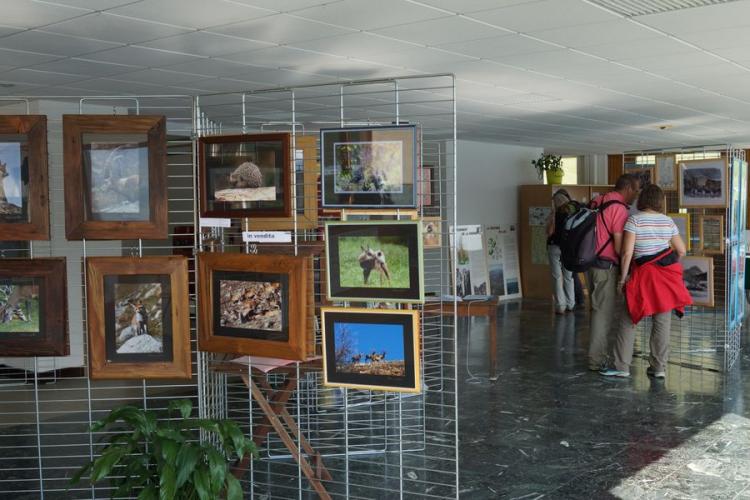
(562, 279)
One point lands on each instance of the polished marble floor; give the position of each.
(548, 428)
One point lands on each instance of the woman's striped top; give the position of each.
(652, 232)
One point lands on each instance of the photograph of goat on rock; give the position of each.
(375, 261)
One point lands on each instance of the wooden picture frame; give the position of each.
(703, 183)
(362, 255)
(138, 317)
(348, 178)
(348, 214)
(233, 164)
(682, 221)
(230, 285)
(666, 172)
(714, 234)
(99, 207)
(432, 232)
(698, 275)
(23, 331)
(23, 160)
(371, 349)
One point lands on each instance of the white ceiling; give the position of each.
(573, 76)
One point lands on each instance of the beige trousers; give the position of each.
(604, 299)
(658, 342)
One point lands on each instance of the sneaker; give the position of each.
(651, 373)
(611, 372)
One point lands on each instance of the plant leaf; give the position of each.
(78, 475)
(187, 457)
(104, 464)
(234, 488)
(184, 405)
(201, 483)
(148, 493)
(217, 465)
(167, 485)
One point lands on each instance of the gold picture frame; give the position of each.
(715, 235)
(682, 221)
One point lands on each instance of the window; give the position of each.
(697, 156)
(570, 167)
(645, 160)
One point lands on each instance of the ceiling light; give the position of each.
(633, 8)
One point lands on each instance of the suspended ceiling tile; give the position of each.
(51, 43)
(9, 30)
(202, 43)
(196, 14)
(280, 29)
(281, 77)
(26, 14)
(619, 31)
(355, 45)
(498, 47)
(546, 14)
(272, 57)
(549, 61)
(283, 5)
(18, 58)
(93, 4)
(467, 6)
(118, 87)
(39, 77)
(142, 56)
(418, 58)
(223, 85)
(659, 64)
(440, 31)
(369, 15)
(160, 77)
(87, 69)
(660, 46)
(108, 27)
(719, 38)
(725, 15)
(215, 68)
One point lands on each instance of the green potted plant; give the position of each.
(552, 165)
(162, 457)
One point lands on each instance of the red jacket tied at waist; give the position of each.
(654, 289)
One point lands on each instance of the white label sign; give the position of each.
(267, 236)
(213, 222)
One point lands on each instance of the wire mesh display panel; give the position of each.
(706, 337)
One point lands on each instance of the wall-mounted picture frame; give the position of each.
(666, 172)
(703, 183)
(645, 175)
(379, 261)
(138, 317)
(115, 177)
(682, 221)
(255, 304)
(24, 181)
(33, 307)
(245, 176)
(348, 214)
(371, 349)
(698, 275)
(711, 231)
(432, 232)
(369, 167)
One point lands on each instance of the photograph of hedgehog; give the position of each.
(252, 305)
(370, 348)
(116, 174)
(245, 182)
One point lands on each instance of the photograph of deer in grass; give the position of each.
(375, 262)
(14, 183)
(138, 318)
(370, 349)
(19, 306)
(253, 305)
(368, 167)
(117, 176)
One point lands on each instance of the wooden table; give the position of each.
(273, 403)
(474, 308)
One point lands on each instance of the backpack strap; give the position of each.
(601, 209)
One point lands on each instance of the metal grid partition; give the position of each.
(704, 338)
(373, 444)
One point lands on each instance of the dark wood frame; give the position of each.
(177, 268)
(297, 269)
(52, 340)
(286, 176)
(76, 224)
(34, 127)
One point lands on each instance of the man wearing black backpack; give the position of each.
(602, 276)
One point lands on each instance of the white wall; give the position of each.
(488, 180)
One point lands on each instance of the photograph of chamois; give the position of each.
(24, 198)
(245, 175)
(255, 304)
(371, 349)
(377, 261)
(369, 167)
(138, 316)
(115, 177)
(33, 307)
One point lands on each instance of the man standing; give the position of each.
(602, 277)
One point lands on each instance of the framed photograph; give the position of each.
(375, 261)
(682, 221)
(645, 175)
(371, 349)
(365, 215)
(703, 183)
(369, 167)
(246, 175)
(428, 194)
(432, 232)
(24, 183)
(138, 317)
(255, 304)
(711, 229)
(666, 172)
(115, 177)
(698, 275)
(33, 307)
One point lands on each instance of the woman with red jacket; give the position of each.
(651, 279)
